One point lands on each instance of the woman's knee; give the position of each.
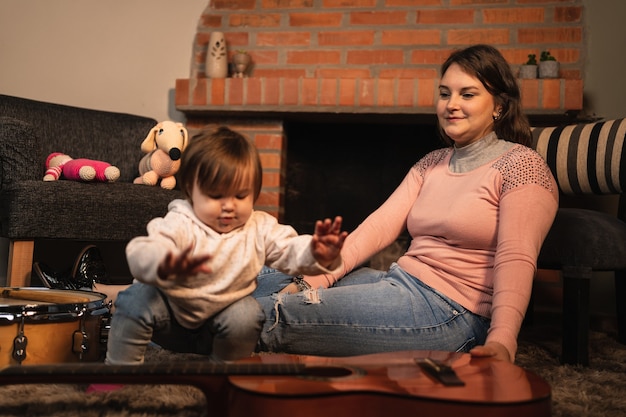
(270, 281)
(363, 275)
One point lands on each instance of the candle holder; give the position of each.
(241, 61)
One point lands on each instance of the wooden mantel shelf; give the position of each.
(284, 96)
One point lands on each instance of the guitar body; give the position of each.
(390, 384)
(279, 385)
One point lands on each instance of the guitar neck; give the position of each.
(203, 375)
(161, 369)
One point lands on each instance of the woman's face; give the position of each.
(465, 108)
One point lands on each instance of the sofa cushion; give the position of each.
(84, 211)
(585, 157)
(581, 237)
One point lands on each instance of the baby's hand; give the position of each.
(183, 265)
(328, 240)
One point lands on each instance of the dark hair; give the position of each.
(488, 65)
(220, 161)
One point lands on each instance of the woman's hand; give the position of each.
(492, 349)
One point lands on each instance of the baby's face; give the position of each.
(223, 213)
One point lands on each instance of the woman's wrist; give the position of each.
(301, 283)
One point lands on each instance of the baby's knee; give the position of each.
(137, 300)
(243, 316)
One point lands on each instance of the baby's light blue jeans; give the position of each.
(142, 315)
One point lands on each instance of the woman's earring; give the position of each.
(497, 116)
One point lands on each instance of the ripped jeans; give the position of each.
(367, 311)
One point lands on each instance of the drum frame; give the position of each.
(40, 310)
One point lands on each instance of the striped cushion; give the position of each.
(585, 158)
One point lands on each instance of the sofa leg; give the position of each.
(576, 315)
(620, 297)
(20, 263)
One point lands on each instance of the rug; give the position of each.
(595, 391)
(598, 390)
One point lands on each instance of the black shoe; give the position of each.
(53, 279)
(89, 268)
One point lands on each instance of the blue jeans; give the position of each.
(142, 315)
(367, 311)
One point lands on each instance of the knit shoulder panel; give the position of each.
(522, 166)
(431, 159)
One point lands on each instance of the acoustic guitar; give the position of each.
(396, 384)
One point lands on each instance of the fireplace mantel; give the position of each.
(294, 97)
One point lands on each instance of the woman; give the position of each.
(477, 212)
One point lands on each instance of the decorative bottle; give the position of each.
(216, 58)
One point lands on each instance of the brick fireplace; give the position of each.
(357, 62)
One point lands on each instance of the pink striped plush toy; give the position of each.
(62, 166)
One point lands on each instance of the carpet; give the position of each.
(598, 390)
(595, 391)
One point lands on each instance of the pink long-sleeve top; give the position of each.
(476, 231)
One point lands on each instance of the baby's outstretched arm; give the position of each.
(328, 240)
(183, 265)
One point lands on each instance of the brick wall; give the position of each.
(387, 38)
(365, 56)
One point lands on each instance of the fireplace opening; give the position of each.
(348, 169)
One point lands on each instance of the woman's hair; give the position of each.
(488, 65)
(220, 161)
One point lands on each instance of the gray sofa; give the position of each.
(31, 209)
(587, 159)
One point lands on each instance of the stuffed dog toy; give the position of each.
(163, 146)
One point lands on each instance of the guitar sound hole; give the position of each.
(327, 372)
